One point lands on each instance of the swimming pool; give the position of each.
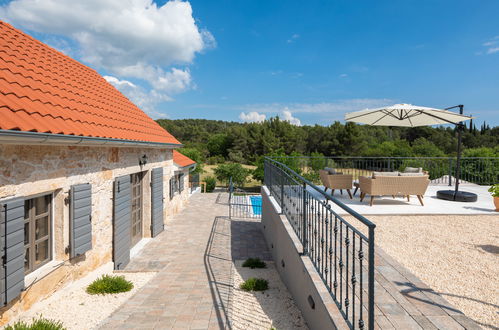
(256, 204)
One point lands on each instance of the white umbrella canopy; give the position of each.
(405, 115)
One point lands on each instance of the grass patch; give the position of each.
(254, 263)
(109, 284)
(254, 284)
(38, 324)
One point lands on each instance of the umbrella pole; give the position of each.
(456, 195)
(459, 142)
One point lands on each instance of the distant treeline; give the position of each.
(216, 141)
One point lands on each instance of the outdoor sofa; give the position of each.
(395, 184)
(336, 180)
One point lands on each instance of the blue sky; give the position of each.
(307, 61)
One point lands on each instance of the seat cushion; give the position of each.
(413, 170)
(412, 174)
(375, 174)
(330, 170)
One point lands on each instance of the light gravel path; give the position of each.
(456, 255)
(78, 310)
(263, 310)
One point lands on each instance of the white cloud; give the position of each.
(340, 106)
(492, 46)
(293, 38)
(252, 117)
(288, 116)
(343, 75)
(127, 38)
(145, 100)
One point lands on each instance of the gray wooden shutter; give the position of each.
(181, 182)
(122, 222)
(12, 249)
(172, 188)
(80, 219)
(157, 224)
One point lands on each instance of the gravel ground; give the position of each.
(78, 310)
(262, 310)
(456, 255)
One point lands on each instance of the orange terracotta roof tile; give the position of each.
(45, 91)
(182, 160)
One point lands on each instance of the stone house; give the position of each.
(84, 173)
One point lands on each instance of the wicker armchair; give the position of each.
(394, 185)
(336, 181)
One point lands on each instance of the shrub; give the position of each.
(109, 284)
(494, 190)
(215, 160)
(211, 183)
(254, 284)
(254, 263)
(39, 324)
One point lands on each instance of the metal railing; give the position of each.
(442, 170)
(243, 204)
(194, 181)
(341, 251)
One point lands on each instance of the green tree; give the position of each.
(219, 144)
(196, 156)
(424, 148)
(237, 172)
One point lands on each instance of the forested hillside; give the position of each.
(216, 141)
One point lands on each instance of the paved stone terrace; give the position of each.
(403, 301)
(193, 258)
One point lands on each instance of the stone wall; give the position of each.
(29, 170)
(297, 270)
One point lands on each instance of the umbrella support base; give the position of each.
(460, 196)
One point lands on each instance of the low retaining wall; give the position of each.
(297, 271)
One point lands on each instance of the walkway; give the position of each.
(194, 260)
(193, 257)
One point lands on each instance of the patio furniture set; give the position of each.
(412, 181)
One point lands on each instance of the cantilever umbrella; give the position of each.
(408, 115)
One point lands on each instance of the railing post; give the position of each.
(304, 218)
(450, 171)
(270, 167)
(230, 198)
(282, 194)
(371, 278)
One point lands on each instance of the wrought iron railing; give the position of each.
(243, 204)
(442, 170)
(194, 181)
(342, 251)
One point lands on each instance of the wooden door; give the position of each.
(137, 205)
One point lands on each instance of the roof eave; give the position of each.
(35, 138)
(193, 165)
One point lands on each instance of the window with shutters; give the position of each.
(176, 184)
(37, 232)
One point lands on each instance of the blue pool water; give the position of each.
(256, 203)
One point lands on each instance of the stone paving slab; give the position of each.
(194, 259)
(407, 303)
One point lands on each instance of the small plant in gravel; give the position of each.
(254, 284)
(109, 284)
(38, 324)
(254, 263)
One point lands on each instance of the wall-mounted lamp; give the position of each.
(143, 160)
